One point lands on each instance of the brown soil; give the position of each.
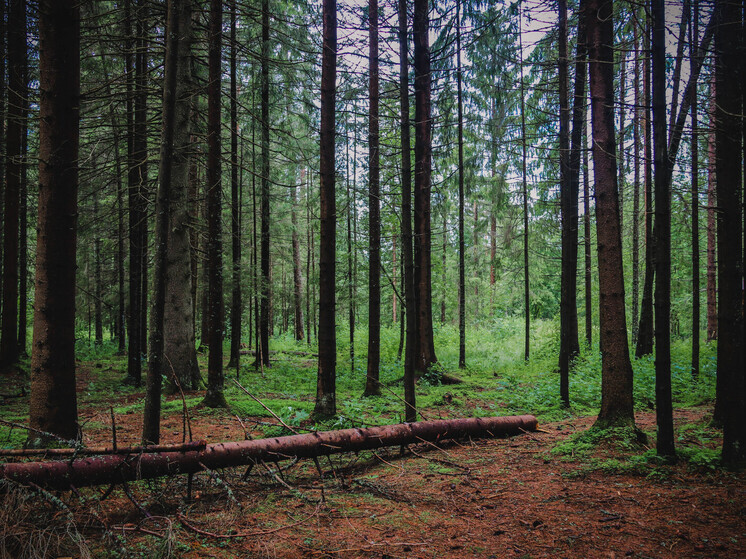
(487, 498)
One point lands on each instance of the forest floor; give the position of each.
(543, 494)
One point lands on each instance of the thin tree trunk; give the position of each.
(23, 224)
(694, 35)
(712, 319)
(461, 243)
(98, 288)
(236, 299)
(569, 344)
(617, 406)
(11, 208)
(588, 284)
(326, 402)
(350, 258)
(663, 398)
(526, 286)
(262, 356)
(214, 396)
(410, 409)
(53, 404)
(372, 387)
(636, 194)
(297, 275)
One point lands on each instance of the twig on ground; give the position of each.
(201, 532)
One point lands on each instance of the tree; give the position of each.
(617, 406)
(297, 271)
(262, 350)
(663, 401)
(326, 403)
(410, 411)
(694, 34)
(53, 404)
(524, 184)
(214, 396)
(9, 351)
(728, 135)
(461, 245)
(372, 387)
(178, 14)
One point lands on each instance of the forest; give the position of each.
(382, 278)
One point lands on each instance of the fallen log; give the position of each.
(116, 468)
(95, 451)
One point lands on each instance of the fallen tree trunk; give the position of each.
(117, 468)
(95, 451)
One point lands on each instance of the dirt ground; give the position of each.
(486, 498)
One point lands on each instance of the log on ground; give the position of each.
(118, 468)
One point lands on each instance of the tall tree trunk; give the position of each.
(712, 319)
(622, 114)
(645, 328)
(214, 396)
(23, 271)
(617, 406)
(3, 92)
(410, 409)
(178, 12)
(98, 288)
(53, 405)
(372, 387)
(297, 275)
(11, 208)
(262, 355)
(425, 356)
(326, 398)
(587, 234)
(569, 186)
(350, 256)
(730, 404)
(526, 285)
(636, 193)
(663, 399)
(694, 34)
(181, 367)
(236, 299)
(461, 243)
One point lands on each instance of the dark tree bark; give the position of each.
(425, 356)
(712, 318)
(696, 307)
(3, 92)
(617, 405)
(569, 185)
(236, 299)
(410, 411)
(372, 387)
(326, 398)
(177, 13)
(461, 244)
(587, 237)
(98, 288)
(351, 218)
(645, 328)
(214, 396)
(262, 356)
(53, 405)
(731, 398)
(23, 272)
(636, 124)
(524, 193)
(663, 399)
(11, 208)
(297, 273)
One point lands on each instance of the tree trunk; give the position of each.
(326, 403)
(297, 275)
(663, 398)
(117, 468)
(11, 208)
(98, 288)
(351, 218)
(645, 328)
(694, 35)
(617, 406)
(526, 285)
(53, 404)
(214, 396)
(236, 299)
(587, 234)
(178, 12)
(425, 356)
(23, 271)
(461, 243)
(730, 404)
(262, 359)
(181, 367)
(410, 409)
(372, 387)
(712, 319)
(636, 193)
